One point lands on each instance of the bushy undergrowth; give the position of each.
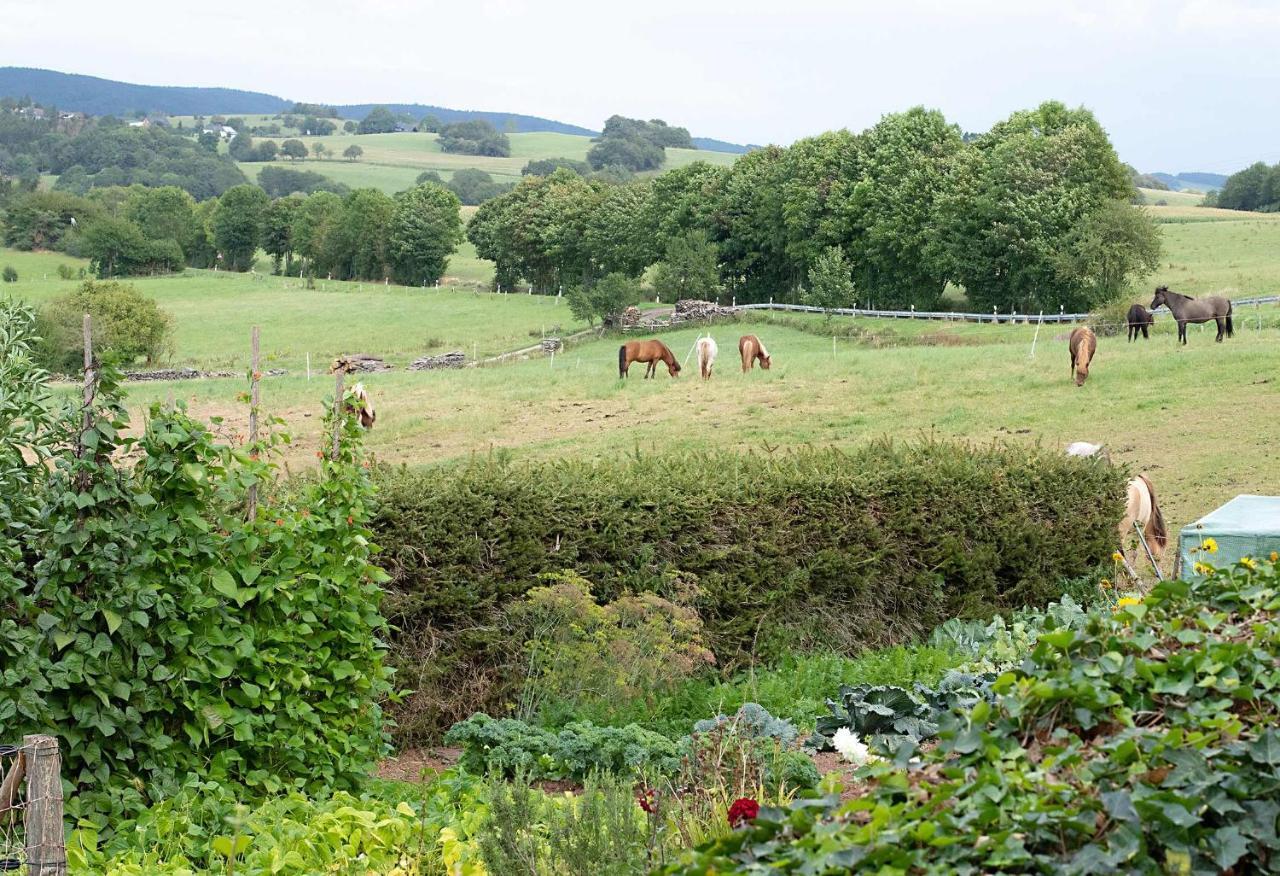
(157, 628)
(1143, 741)
(811, 551)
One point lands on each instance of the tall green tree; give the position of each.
(380, 120)
(237, 226)
(278, 221)
(689, 269)
(1017, 194)
(352, 152)
(830, 281)
(359, 242)
(293, 149)
(603, 300)
(890, 209)
(426, 229)
(163, 213)
(1110, 247)
(315, 227)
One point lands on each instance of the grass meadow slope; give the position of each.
(1200, 419)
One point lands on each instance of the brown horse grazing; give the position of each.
(652, 352)
(751, 350)
(1186, 309)
(1139, 320)
(1083, 345)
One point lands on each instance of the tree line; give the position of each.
(1257, 188)
(1031, 215)
(363, 235)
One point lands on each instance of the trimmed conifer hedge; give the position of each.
(818, 548)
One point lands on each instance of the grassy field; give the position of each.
(1171, 198)
(392, 162)
(1200, 419)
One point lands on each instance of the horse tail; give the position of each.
(1230, 329)
(1159, 533)
(622, 361)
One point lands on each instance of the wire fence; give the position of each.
(31, 831)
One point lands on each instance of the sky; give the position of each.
(1180, 85)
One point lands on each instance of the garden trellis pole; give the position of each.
(254, 374)
(1037, 335)
(338, 389)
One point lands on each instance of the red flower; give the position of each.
(743, 810)
(648, 800)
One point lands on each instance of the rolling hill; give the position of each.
(1200, 182)
(98, 97)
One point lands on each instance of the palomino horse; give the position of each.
(751, 350)
(1186, 309)
(1141, 508)
(1139, 320)
(358, 402)
(707, 351)
(651, 351)
(1083, 345)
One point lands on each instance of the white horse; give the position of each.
(359, 403)
(707, 351)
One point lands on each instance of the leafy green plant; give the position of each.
(509, 747)
(580, 652)
(754, 722)
(1143, 741)
(159, 632)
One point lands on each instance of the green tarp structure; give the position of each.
(1247, 526)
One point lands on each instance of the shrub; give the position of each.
(66, 272)
(578, 652)
(601, 831)
(752, 721)
(819, 550)
(127, 325)
(10, 274)
(1143, 742)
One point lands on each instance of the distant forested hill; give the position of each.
(1199, 181)
(100, 97)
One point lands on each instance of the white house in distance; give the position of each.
(224, 132)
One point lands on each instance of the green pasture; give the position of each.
(1171, 198)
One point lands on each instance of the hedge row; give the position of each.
(823, 549)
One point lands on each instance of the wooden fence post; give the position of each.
(253, 415)
(339, 388)
(46, 846)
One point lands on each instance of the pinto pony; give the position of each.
(652, 352)
(358, 403)
(1141, 508)
(1083, 344)
(707, 351)
(1186, 309)
(752, 351)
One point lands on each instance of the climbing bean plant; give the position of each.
(159, 630)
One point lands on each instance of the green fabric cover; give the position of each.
(1247, 526)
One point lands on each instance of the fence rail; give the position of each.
(31, 833)
(944, 315)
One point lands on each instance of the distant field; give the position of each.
(392, 162)
(1176, 199)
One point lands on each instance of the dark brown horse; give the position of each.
(652, 352)
(752, 351)
(1139, 320)
(1186, 309)
(1083, 344)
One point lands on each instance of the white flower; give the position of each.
(851, 748)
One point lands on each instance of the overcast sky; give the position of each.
(1180, 84)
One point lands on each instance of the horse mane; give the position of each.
(1158, 530)
(763, 351)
